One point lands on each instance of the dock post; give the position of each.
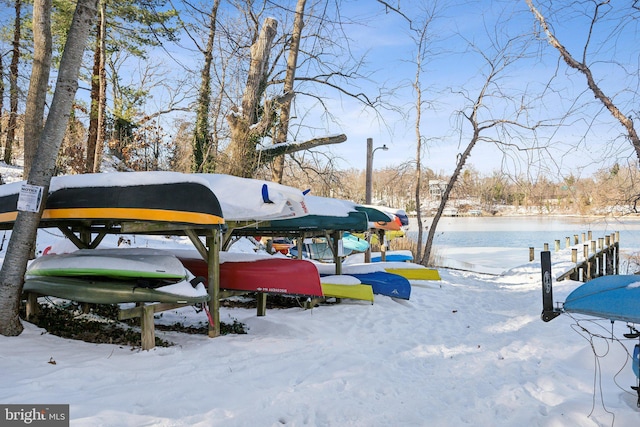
(548, 311)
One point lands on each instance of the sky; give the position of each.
(454, 67)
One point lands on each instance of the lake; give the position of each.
(495, 244)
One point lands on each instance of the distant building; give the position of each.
(436, 188)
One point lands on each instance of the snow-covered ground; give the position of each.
(467, 350)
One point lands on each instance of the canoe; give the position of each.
(115, 263)
(384, 283)
(270, 275)
(415, 273)
(615, 297)
(341, 286)
(354, 243)
(407, 270)
(319, 251)
(117, 197)
(104, 291)
(393, 256)
(247, 199)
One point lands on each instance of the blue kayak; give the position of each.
(615, 297)
(384, 283)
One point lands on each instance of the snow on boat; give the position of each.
(246, 199)
(112, 198)
(255, 273)
(401, 255)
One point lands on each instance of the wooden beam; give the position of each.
(195, 239)
(74, 239)
(132, 313)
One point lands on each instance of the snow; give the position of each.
(241, 198)
(469, 349)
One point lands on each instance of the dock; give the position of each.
(600, 257)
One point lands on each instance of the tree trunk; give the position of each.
(102, 90)
(37, 95)
(285, 110)
(245, 129)
(1, 92)
(92, 134)
(13, 87)
(418, 90)
(22, 239)
(462, 159)
(202, 141)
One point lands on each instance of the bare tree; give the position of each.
(599, 9)
(23, 236)
(482, 117)
(98, 85)
(202, 141)
(13, 86)
(37, 95)
(420, 32)
(285, 109)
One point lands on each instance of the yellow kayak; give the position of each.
(415, 273)
(345, 287)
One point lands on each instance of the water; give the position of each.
(495, 244)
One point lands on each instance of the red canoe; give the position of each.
(273, 275)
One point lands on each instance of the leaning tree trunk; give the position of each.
(462, 159)
(37, 95)
(247, 126)
(23, 236)
(285, 110)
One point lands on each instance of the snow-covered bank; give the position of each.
(467, 350)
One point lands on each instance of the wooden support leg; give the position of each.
(213, 261)
(148, 327)
(262, 304)
(32, 305)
